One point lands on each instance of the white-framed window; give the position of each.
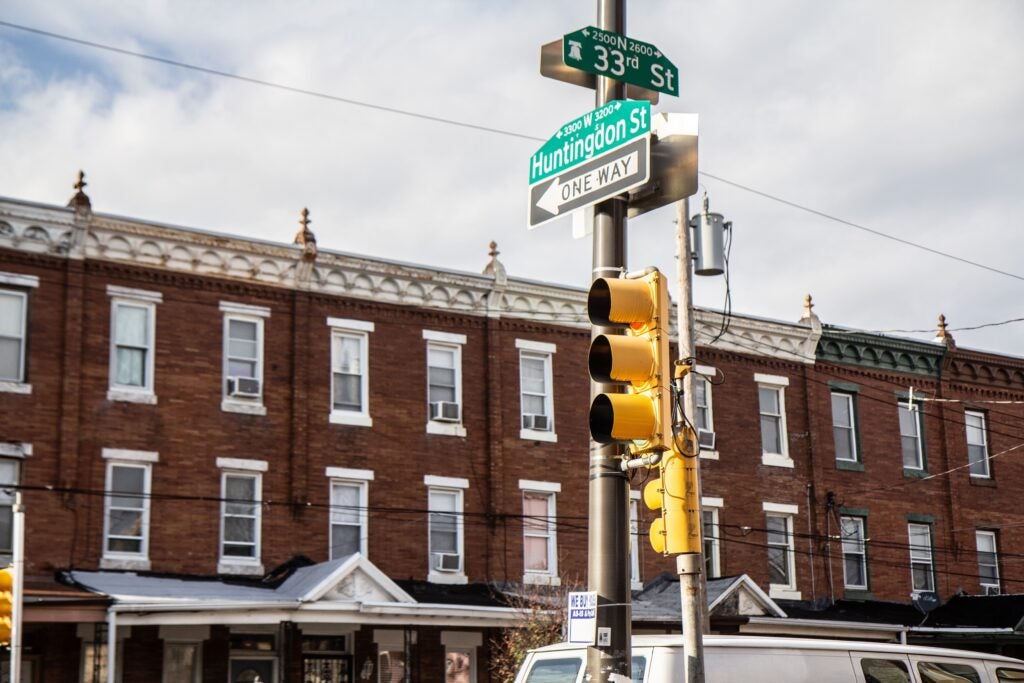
(392, 646)
(922, 569)
(536, 395)
(704, 416)
(132, 344)
(126, 508)
(445, 529)
(444, 383)
(988, 562)
(977, 444)
(844, 426)
(243, 358)
(10, 470)
(14, 301)
(771, 399)
(781, 552)
(712, 547)
(911, 441)
(635, 578)
(540, 546)
(855, 556)
(350, 371)
(241, 515)
(460, 649)
(349, 532)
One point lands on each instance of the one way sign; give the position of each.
(600, 178)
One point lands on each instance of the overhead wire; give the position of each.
(471, 126)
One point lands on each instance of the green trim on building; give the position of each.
(917, 518)
(879, 352)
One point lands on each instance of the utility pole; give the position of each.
(689, 566)
(18, 589)
(608, 539)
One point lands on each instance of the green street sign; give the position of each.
(590, 135)
(604, 53)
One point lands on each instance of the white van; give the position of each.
(738, 659)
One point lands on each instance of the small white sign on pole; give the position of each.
(583, 617)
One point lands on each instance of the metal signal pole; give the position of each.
(608, 541)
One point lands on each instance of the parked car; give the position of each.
(727, 659)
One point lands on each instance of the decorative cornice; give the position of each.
(177, 251)
(880, 352)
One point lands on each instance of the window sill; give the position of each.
(535, 435)
(8, 387)
(776, 460)
(139, 564)
(709, 455)
(240, 568)
(446, 428)
(636, 585)
(242, 408)
(341, 417)
(450, 578)
(778, 592)
(914, 473)
(131, 396)
(983, 481)
(537, 579)
(849, 466)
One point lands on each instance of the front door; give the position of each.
(252, 671)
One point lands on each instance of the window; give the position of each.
(635, 579)
(444, 383)
(947, 672)
(13, 315)
(126, 509)
(988, 562)
(844, 426)
(977, 444)
(772, 407)
(348, 516)
(243, 358)
(922, 573)
(9, 470)
(182, 662)
(910, 436)
(540, 560)
(884, 671)
(460, 649)
(709, 531)
(781, 556)
(350, 393)
(241, 515)
(14, 331)
(855, 558)
(132, 334)
(536, 401)
(445, 528)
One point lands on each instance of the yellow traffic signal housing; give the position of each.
(675, 494)
(6, 603)
(639, 359)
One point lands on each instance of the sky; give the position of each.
(904, 118)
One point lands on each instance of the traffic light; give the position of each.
(674, 493)
(639, 359)
(6, 603)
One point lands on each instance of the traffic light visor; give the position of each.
(622, 417)
(620, 302)
(620, 358)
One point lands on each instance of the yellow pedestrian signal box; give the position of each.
(6, 604)
(674, 494)
(639, 359)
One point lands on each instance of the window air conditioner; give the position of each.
(991, 590)
(538, 423)
(706, 439)
(244, 387)
(446, 562)
(444, 411)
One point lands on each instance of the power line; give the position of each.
(472, 126)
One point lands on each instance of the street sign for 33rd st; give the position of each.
(605, 53)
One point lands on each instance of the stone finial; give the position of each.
(80, 200)
(305, 237)
(942, 335)
(494, 267)
(809, 315)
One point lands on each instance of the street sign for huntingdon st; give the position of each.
(599, 155)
